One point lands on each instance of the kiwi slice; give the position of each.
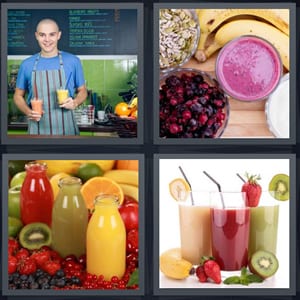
(279, 187)
(263, 263)
(35, 235)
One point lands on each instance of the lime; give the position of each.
(14, 226)
(89, 170)
(179, 189)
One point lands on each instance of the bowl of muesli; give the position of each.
(179, 34)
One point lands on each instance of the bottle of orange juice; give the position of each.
(106, 239)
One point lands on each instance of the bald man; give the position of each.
(40, 75)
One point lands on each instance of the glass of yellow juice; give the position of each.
(62, 95)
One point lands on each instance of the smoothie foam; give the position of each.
(248, 68)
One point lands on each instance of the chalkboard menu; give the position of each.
(84, 31)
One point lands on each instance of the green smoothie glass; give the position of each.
(264, 225)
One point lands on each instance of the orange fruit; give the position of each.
(54, 180)
(134, 113)
(100, 185)
(127, 164)
(122, 109)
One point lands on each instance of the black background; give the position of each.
(120, 37)
(148, 149)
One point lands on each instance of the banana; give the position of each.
(210, 19)
(133, 103)
(238, 28)
(123, 176)
(71, 166)
(173, 265)
(130, 190)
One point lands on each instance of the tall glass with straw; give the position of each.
(194, 220)
(230, 223)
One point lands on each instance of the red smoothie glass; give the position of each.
(230, 222)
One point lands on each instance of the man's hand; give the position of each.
(69, 103)
(35, 116)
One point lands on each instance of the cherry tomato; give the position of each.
(130, 216)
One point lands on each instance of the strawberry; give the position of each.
(22, 254)
(252, 190)
(41, 257)
(12, 264)
(51, 267)
(13, 246)
(27, 266)
(201, 274)
(212, 269)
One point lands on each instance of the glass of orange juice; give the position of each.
(37, 105)
(62, 95)
(194, 220)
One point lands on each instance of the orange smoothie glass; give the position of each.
(37, 105)
(195, 233)
(106, 239)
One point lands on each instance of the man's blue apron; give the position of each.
(55, 120)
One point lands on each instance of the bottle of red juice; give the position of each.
(36, 197)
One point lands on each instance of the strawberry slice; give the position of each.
(252, 189)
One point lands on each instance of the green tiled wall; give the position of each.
(107, 77)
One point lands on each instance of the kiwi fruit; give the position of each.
(263, 263)
(35, 235)
(279, 187)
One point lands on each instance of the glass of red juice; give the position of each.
(230, 222)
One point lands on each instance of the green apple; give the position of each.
(14, 201)
(14, 226)
(17, 179)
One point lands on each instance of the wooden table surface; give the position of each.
(247, 119)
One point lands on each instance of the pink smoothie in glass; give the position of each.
(230, 236)
(248, 68)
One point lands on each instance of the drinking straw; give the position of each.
(68, 80)
(218, 185)
(238, 175)
(183, 174)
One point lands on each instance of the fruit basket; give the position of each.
(126, 127)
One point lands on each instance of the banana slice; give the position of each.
(179, 189)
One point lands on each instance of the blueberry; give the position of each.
(60, 282)
(60, 273)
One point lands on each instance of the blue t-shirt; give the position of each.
(71, 63)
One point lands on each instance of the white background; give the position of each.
(224, 171)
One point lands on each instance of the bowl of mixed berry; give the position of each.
(191, 105)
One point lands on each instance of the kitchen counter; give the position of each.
(94, 129)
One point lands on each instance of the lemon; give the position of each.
(179, 189)
(54, 182)
(89, 170)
